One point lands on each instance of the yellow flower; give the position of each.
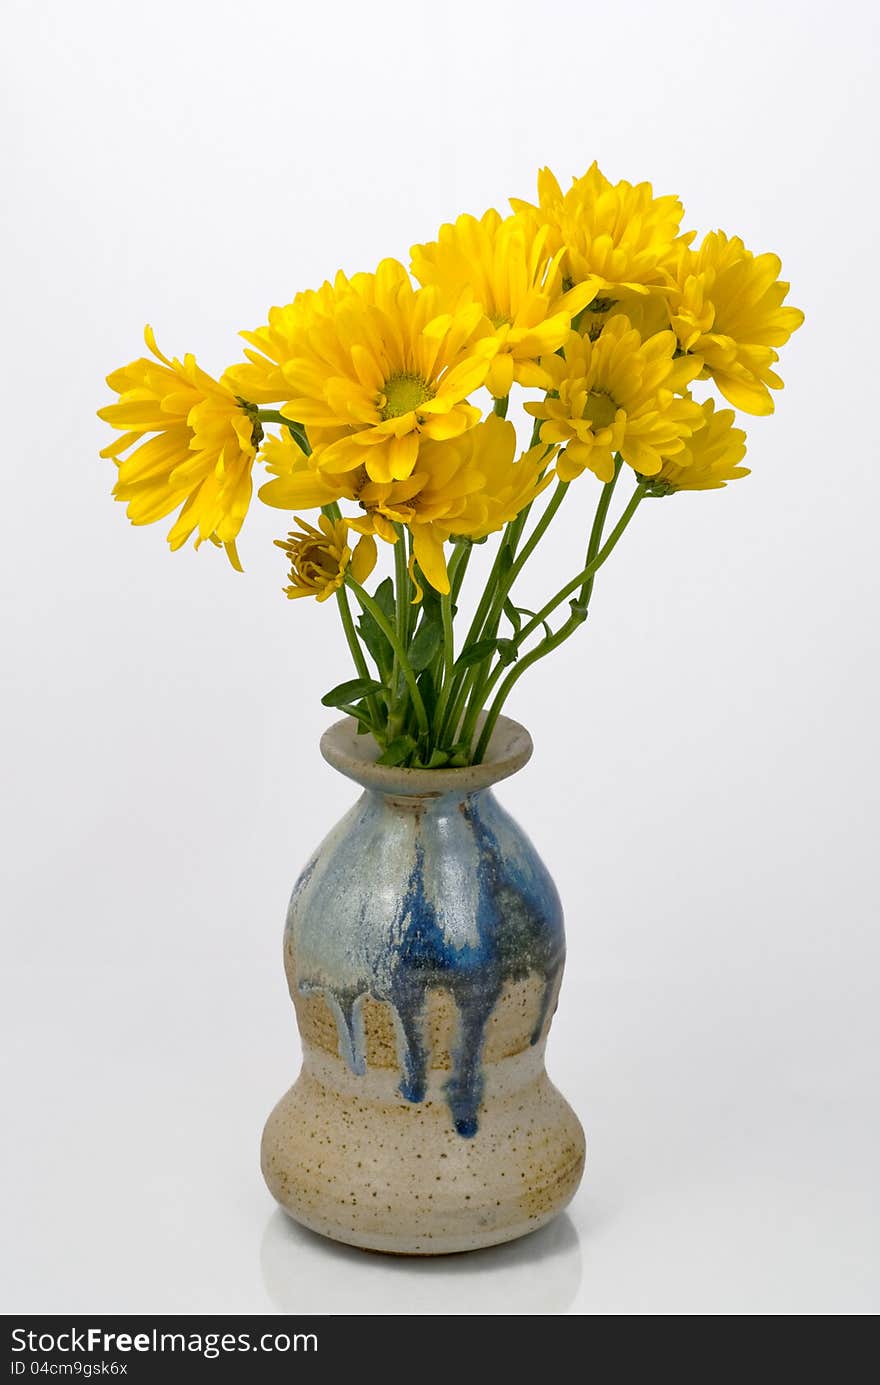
(194, 447)
(620, 234)
(648, 313)
(262, 380)
(297, 483)
(507, 267)
(617, 394)
(469, 486)
(386, 369)
(727, 310)
(320, 558)
(709, 458)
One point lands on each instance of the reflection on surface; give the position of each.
(305, 1273)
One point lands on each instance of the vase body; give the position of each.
(424, 950)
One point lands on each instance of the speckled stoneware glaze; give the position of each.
(424, 950)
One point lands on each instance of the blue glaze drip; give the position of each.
(520, 888)
(464, 1090)
(544, 1011)
(424, 958)
(517, 930)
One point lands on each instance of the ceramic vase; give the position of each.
(424, 950)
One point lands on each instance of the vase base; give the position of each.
(393, 1176)
(467, 1244)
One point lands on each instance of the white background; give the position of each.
(705, 782)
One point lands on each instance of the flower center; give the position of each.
(314, 559)
(404, 393)
(600, 408)
(324, 561)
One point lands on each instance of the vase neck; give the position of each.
(355, 756)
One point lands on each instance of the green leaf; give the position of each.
(476, 653)
(427, 640)
(298, 433)
(458, 755)
(376, 644)
(352, 691)
(513, 615)
(373, 637)
(431, 596)
(438, 759)
(365, 725)
(397, 752)
(384, 598)
(507, 651)
(428, 689)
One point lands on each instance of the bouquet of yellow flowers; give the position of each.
(357, 398)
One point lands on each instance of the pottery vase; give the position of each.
(424, 951)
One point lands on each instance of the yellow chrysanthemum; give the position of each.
(508, 268)
(261, 380)
(648, 313)
(194, 447)
(320, 558)
(618, 233)
(709, 458)
(469, 486)
(617, 394)
(728, 310)
(388, 368)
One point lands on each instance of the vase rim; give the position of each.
(354, 756)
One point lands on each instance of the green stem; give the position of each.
(357, 654)
(454, 700)
(598, 527)
(458, 568)
(297, 429)
(463, 684)
(534, 539)
(445, 660)
(401, 661)
(333, 512)
(500, 406)
(491, 676)
(448, 638)
(520, 522)
(588, 572)
(483, 679)
(412, 608)
(485, 601)
(396, 711)
(273, 416)
(551, 642)
(401, 584)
